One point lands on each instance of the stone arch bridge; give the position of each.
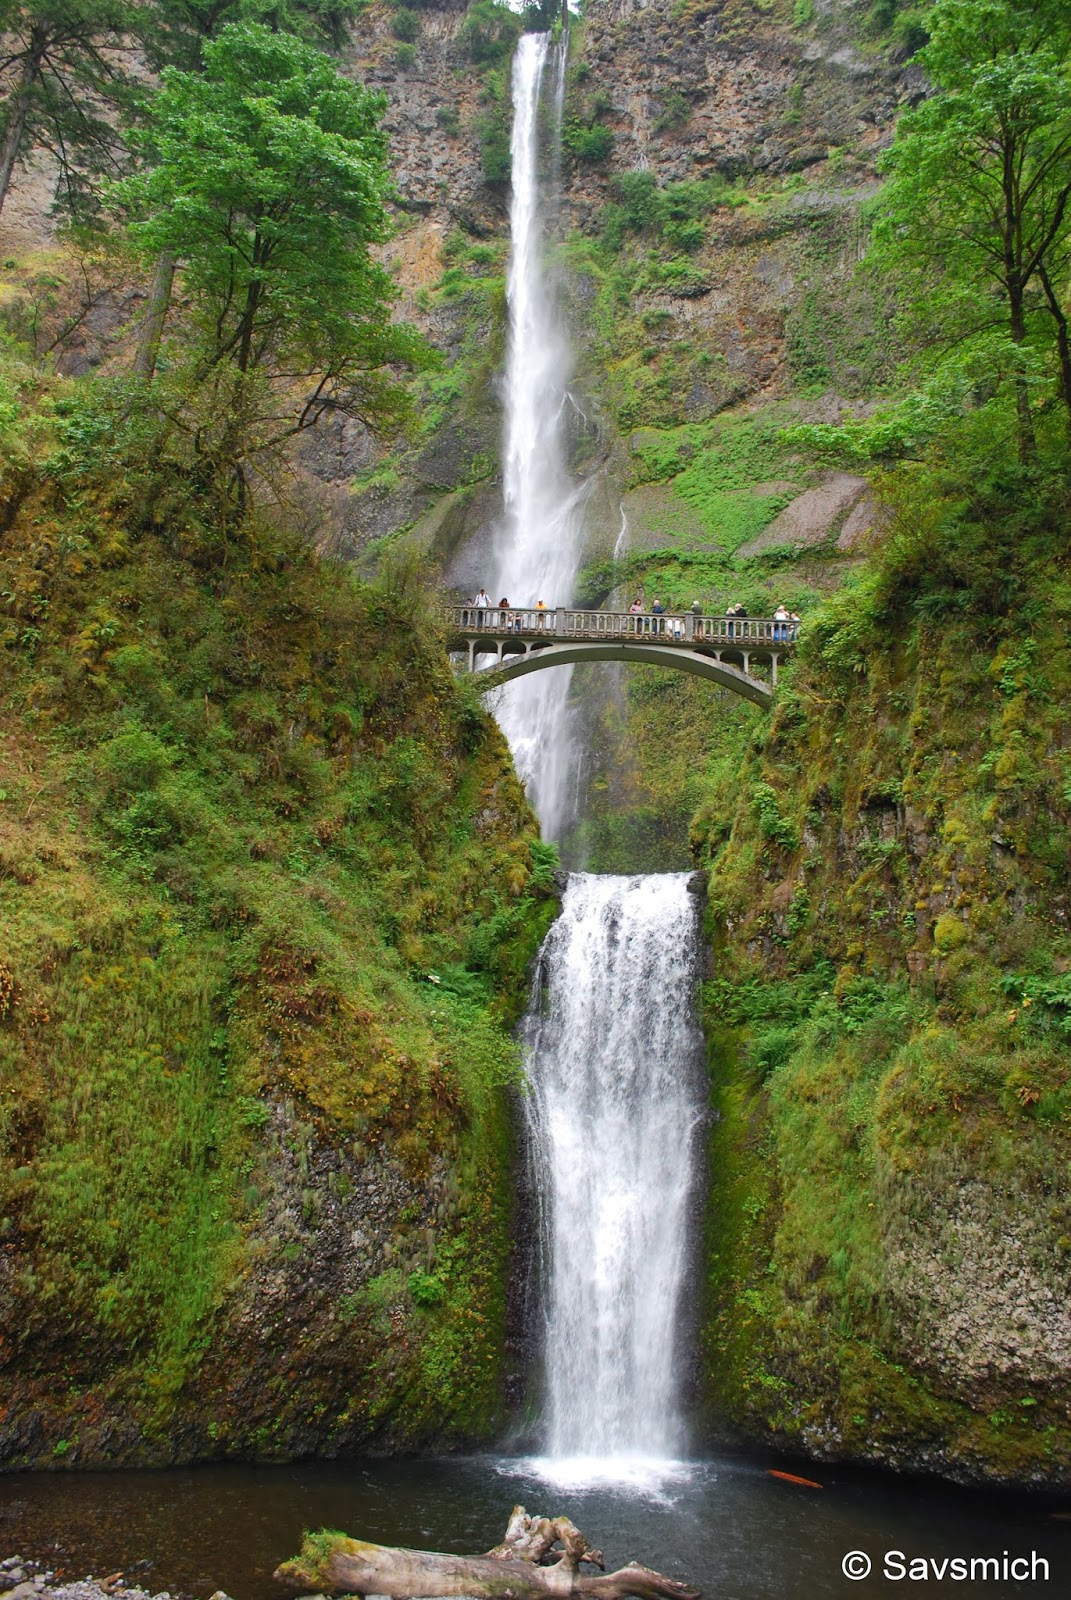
(739, 653)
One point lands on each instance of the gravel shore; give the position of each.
(28, 1580)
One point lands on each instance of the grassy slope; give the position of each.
(244, 810)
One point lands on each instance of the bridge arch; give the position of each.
(652, 655)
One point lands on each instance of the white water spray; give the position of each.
(614, 1112)
(537, 549)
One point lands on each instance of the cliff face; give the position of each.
(776, 127)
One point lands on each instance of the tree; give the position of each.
(268, 185)
(172, 33)
(976, 219)
(62, 71)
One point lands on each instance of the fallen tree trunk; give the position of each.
(330, 1563)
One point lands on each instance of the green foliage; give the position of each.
(490, 32)
(975, 220)
(493, 130)
(269, 181)
(405, 24)
(773, 825)
(675, 213)
(674, 114)
(587, 141)
(249, 840)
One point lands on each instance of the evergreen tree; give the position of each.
(62, 72)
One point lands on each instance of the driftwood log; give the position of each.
(527, 1565)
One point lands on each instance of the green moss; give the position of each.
(874, 1051)
(239, 832)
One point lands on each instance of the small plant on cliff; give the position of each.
(588, 141)
(405, 25)
(674, 114)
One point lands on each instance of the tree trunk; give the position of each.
(152, 323)
(333, 1564)
(1028, 448)
(1063, 341)
(20, 108)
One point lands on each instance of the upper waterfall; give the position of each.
(538, 544)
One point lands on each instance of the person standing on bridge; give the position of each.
(658, 611)
(482, 602)
(503, 612)
(541, 619)
(780, 624)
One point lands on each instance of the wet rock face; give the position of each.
(333, 1220)
(982, 1288)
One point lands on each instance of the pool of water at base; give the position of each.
(726, 1526)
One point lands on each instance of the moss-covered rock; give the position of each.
(890, 1267)
(267, 899)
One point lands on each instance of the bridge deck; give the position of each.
(531, 625)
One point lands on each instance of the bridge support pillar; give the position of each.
(472, 655)
(773, 671)
(747, 660)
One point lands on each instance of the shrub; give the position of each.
(405, 25)
(490, 31)
(588, 143)
(674, 114)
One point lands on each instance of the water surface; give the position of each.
(728, 1527)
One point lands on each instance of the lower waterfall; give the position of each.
(614, 1108)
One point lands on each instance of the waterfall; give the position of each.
(614, 1108)
(537, 547)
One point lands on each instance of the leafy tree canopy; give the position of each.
(173, 30)
(269, 184)
(976, 221)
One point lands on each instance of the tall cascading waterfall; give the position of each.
(614, 1109)
(537, 549)
(612, 1040)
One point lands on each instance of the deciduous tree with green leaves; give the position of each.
(267, 180)
(976, 221)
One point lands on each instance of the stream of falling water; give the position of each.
(537, 548)
(613, 1114)
(612, 1039)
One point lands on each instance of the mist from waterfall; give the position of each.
(537, 548)
(614, 1107)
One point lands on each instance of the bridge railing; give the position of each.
(668, 627)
